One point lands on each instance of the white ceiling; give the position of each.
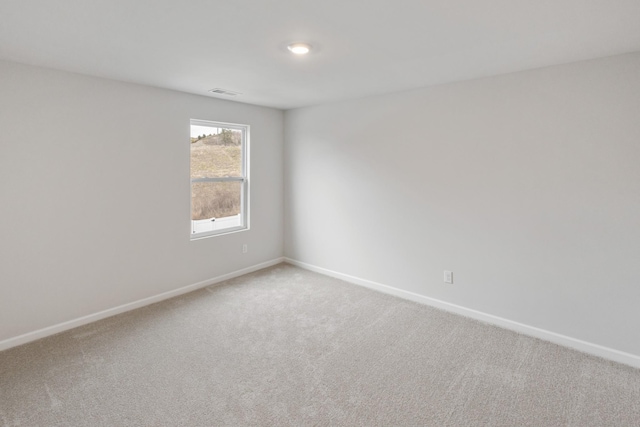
(362, 47)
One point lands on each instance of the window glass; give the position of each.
(219, 182)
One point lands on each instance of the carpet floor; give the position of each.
(288, 347)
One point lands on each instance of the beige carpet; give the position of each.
(286, 347)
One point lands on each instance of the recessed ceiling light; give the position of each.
(299, 48)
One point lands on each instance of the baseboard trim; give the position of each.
(64, 326)
(563, 340)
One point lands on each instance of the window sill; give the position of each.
(215, 227)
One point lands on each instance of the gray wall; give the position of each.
(94, 195)
(526, 185)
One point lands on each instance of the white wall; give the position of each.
(94, 195)
(526, 186)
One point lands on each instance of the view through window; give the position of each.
(219, 184)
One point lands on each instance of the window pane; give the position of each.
(215, 152)
(217, 200)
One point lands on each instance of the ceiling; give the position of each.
(361, 47)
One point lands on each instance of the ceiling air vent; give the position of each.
(219, 91)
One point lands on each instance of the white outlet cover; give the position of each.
(448, 276)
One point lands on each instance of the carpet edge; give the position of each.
(532, 331)
(94, 317)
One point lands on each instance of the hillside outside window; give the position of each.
(219, 178)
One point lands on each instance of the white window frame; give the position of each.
(244, 179)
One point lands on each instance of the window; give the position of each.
(219, 178)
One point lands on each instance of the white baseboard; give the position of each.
(563, 340)
(61, 327)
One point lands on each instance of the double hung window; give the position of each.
(219, 178)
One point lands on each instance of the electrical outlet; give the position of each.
(448, 276)
(245, 248)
